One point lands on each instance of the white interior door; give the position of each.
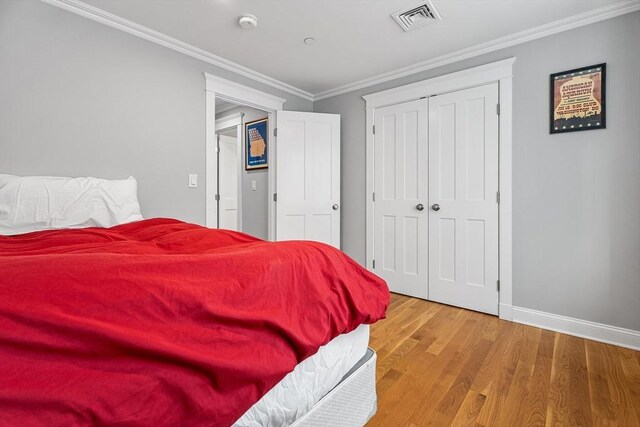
(228, 172)
(400, 182)
(463, 205)
(308, 177)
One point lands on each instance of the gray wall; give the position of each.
(255, 204)
(576, 197)
(80, 98)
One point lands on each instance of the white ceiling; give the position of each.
(356, 39)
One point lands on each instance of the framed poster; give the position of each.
(256, 140)
(578, 99)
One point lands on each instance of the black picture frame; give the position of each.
(597, 73)
(256, 131)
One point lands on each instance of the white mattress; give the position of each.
(296, 394)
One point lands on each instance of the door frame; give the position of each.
(500, 72)
(217, 87)
(223, 124)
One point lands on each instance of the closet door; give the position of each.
(400, 183)
(463, 206)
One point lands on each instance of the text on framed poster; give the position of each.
(578, 99)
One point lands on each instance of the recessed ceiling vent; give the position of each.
(416, 16)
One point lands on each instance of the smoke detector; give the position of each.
(417, 16)
(248, 22)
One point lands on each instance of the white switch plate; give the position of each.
(254, 187)
(193, 180)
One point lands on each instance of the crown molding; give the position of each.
(551, 28)
(470, 77)
(114, 21)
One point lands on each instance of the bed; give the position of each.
(162, 322)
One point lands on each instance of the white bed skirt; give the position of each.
(351, 403)
(309, 382)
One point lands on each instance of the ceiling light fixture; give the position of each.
(248, 22)
(309, 41)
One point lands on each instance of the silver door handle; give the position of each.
(335, 207)
(435, 207)
(420, 206)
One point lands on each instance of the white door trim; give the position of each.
(242, 94)
(501, 72)
(230, 91)
(224, 123)
(227, 122)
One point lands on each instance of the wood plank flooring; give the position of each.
(440, 365)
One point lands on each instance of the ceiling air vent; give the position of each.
(416, 16)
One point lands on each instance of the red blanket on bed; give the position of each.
(164, 323)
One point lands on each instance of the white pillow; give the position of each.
(33, 203)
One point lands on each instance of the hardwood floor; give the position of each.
(440, 365)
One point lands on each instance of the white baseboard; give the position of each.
(506, 312)
(568, 325)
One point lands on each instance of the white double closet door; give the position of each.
(436, 206)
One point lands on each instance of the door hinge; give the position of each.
(275, 197)
(497, 197)
(373, 196)
(374, 263)
(217, 197)
(275, 131)
(498, 109)
(218, 149)
(498, 283)
(374, 129)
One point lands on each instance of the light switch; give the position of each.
(254, 187)
(193, 180)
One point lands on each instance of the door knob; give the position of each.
(420, 206)
(435, 207)
(335, 207)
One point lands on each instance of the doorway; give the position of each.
(230, 205)
(242, 192)
(298, 154)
